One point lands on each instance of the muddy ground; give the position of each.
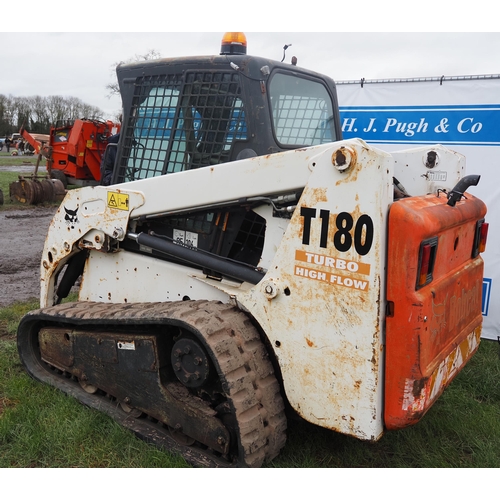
(22, 236)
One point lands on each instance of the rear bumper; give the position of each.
(418, 395)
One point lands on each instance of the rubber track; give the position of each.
(244, 368)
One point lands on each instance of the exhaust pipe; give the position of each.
(463, 184)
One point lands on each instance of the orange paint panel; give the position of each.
(430, 332)
(77, 149)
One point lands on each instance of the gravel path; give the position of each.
(22, 236)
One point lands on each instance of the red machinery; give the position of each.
(74, 150)
(77, 149)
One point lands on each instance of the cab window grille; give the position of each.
(182, 122)
(302, 111)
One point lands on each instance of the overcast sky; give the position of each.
(80, 64)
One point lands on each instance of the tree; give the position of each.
(90, 112)
(73, 106)
(4, 119)
(7, 114)
(22, 110)
(37, 114)
(113, 87)
(56, 109)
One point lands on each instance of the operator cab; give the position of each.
(187, 113)
(192, 112)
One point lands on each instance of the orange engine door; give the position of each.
(434, 287)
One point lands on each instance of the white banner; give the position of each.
(463, 114)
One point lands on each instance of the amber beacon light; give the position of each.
(233, 43)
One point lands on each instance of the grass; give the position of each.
(40, 427)
(6, 178)
(7, 160)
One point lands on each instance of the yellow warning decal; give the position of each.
(118, 200)
(90, 143)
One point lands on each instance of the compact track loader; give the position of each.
(247, 262)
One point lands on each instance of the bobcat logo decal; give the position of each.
(71, 217)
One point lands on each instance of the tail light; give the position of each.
(480, 238)
(426, 260)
